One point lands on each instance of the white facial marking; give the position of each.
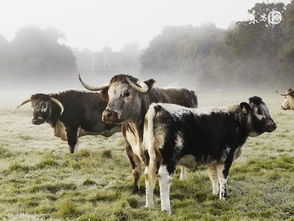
(249, 126)
(117, 89)
(258, 115)
(44, 107)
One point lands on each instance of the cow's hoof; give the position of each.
(168, 211)
(136, 190)
(72, 151)
(224, 198)
(149, 205)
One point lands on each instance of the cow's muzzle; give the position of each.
(271, 126)
(38, 121)
(284, 108)
(110, 117)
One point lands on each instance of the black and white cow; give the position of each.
(128, 101)
(176, 135)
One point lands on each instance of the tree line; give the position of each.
(34, 55)
(250, 53)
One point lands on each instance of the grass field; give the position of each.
(40, 180)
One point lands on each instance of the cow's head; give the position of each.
(42, 105)
(258, 119)
(123, 94)
(288, 102)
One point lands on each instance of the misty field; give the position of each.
(41, 180)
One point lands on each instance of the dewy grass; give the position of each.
(40, 180)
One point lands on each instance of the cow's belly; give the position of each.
(105, 133)
(191, 161)
(188, 161)
(59, 131)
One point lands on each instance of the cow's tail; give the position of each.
(149, 140)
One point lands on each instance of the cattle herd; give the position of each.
(163, 128)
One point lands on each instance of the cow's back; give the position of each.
(85, 109)
(182, 96)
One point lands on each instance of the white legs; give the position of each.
(212, 173)
(219, 182)
(164, 184)
(223, 189)
(183, 175)
(150, 182)
(222, 182)
(216, 175)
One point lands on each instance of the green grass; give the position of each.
(40, 180)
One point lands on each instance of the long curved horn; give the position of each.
(143, 87)
(90, 88)
(284, 94)
(22, 103)
(58, 103)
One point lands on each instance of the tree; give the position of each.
(286, 52)
(38, 52)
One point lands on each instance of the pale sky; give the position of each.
(94, 24)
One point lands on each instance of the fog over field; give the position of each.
(226, 51)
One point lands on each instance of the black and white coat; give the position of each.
(176, 135)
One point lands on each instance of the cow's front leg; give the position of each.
(165, 179)
(212, 172)
(136, 166)
(72, 138)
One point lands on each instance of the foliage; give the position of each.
(256, 54)
(36, 55)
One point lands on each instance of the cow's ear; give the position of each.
(104, 94)
(149, 83)
(245, 107)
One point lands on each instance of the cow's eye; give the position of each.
(259, 112)
(126, 93)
